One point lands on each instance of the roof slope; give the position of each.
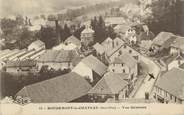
(57, 56)
(87, 30)
(95, 64)
(99, 48)
(125, 59)
(173, 82)
(162, 37)
(111, 83)
(63, 88)
(178, 43)
(74, 40)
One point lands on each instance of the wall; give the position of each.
(56, 66)
(166, 96)
(118, 68)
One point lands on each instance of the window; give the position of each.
(123, 70)
(122, 64)
(130, 51)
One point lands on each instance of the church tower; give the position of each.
(87, 36)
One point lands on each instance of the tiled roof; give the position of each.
(95, 64)
(111, 83)
(107, 41)
(57, 56)
(63, 88)
(23, 63)
(162, 38)
(125, 59)
(99, 48)
(172, 82)
(87, 30)
(38, 43)
(74, 40)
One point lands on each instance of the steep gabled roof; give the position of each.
(172, 82)
(63, 88)
(72, 39)
(111, 83)
(163, 37)
(126, 59)
(95, 64)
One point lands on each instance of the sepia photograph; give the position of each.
(92, 55)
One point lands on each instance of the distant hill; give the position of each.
(34, 7)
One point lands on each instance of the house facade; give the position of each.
(169, 87)
(90, 68)
(162, 41)
(57, 59)
(24, 67)
(125, 64)
(177, 46)
(111, 86)
(172, 61)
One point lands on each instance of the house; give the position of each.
(36, 45)
(113, 21)
(169, 88)
(108, 44)
(116, 52)
(90, 68)
(122, 29)
(57, 59)
(73, 40)
(87, 36)
(125, 64)
(100, 52)
(172, 61)
(70, 87)
(162, 40)
(118, 42)
(177, 45)
(21, 67)
(110, 86)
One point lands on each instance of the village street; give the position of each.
(148, 84)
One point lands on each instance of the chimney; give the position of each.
(57, 31)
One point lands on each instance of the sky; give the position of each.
(33, 7)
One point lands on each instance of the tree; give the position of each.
(110, 32)
(77, 33)
(99, 27)
(48, 36)
(26, 37)
(165, 15)
(66, 32)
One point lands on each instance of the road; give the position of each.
(148, 85)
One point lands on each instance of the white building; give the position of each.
(36, 45)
